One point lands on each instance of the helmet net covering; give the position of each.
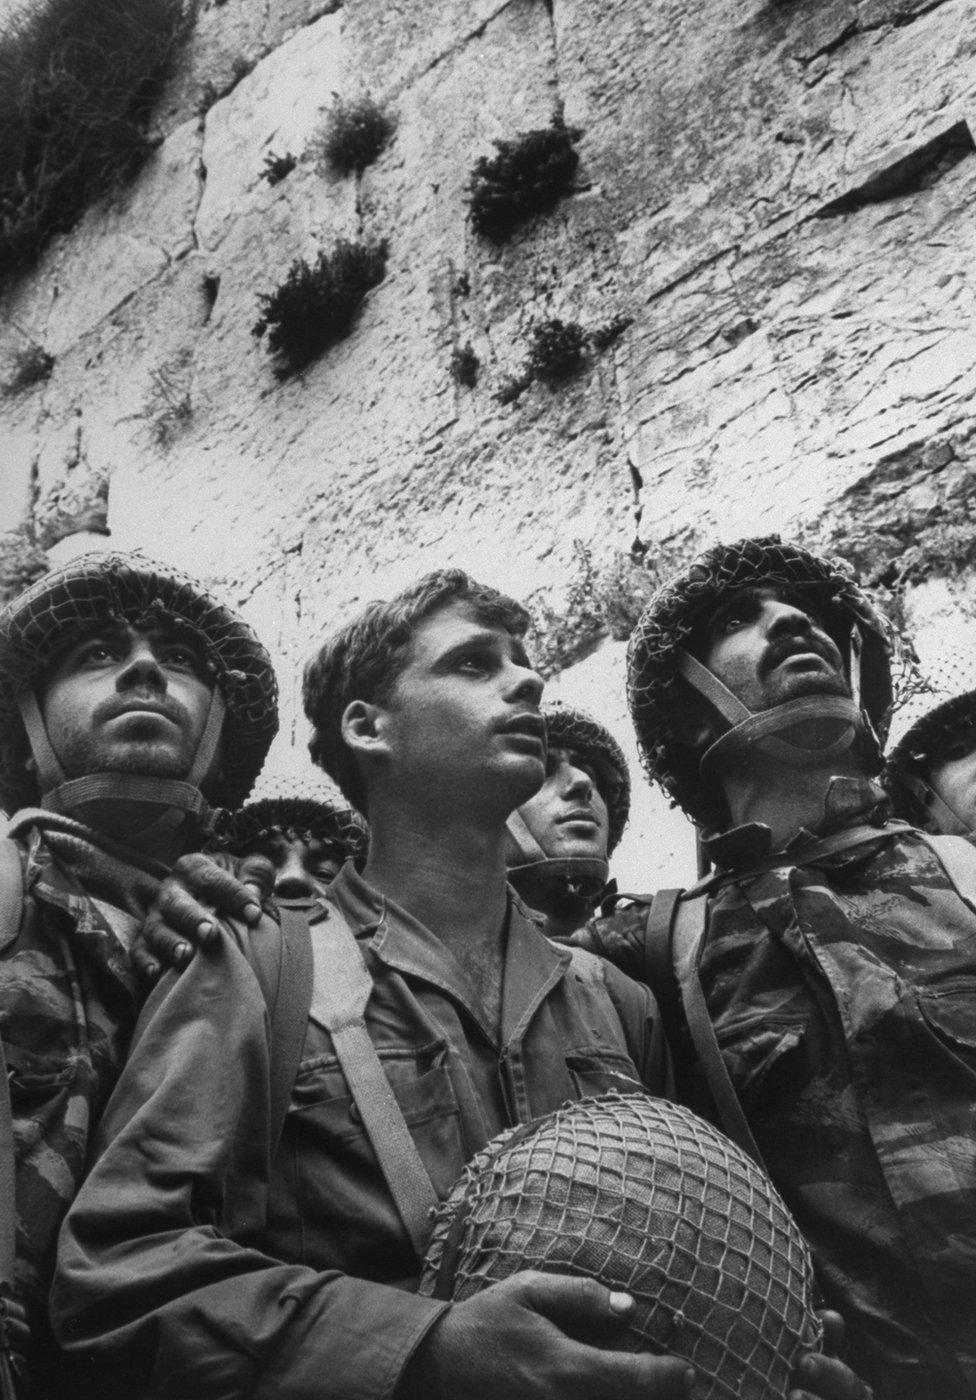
(572, 728)
(298, 817)
(656, 692)
(64, 606)
(644, 1196)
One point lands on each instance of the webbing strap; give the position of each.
(341, 989)
(657, 941)
(688, 939)
(11, 907)
(528, 847)
(846, 840)
(289, 1015)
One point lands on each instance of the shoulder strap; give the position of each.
(840, 841)
(687, 935)
(289, 1012)
(341, 988)
(11, 909)
(958, 858)
(657, 941)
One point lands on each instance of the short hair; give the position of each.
(365, 659)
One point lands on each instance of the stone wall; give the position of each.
(776, 197)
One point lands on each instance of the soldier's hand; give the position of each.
(518, 1339)
(17, 1329)
(198, 892)
(825, 1376)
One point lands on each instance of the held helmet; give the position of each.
(660, 668)
(299, 809)
(643, 1196)
(585, 877)
(62, 607)
(947, 731)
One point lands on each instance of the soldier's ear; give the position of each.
(364, 727)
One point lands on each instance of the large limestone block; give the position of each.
(278, 108)
(120, 245)
(860, 342)
(393, 45)
(226, 42)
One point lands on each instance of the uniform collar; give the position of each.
(533, 965)
(847, 801)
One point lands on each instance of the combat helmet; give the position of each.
(569, 727)
(60, 608)
(298, 808)
(660, 668)
(945, 732)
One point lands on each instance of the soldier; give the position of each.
(835, 950)
(931, 773)
(429, 986)
(561, 840)
(130, 700)
(307, 835)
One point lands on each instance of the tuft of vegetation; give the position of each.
(602, 599)
(556, 351)
(29, 365)
(168, 406)
(78, 82)
(606, 335)
(358, 130)
(464, 366)
(527, 176)
(276, 167)
(21, 564)
(317, 304)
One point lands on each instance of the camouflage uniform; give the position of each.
(68, 1001)
(69, 1004)
(844, 1000)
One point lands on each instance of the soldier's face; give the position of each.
(463, 724)
(767, 648)
(303, 867)
(127, 700)
(568, 816)
(954, 781)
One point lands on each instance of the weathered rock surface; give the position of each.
(778, 196)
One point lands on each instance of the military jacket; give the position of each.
(237, 1270)
(67, 1008)
(844, 1000)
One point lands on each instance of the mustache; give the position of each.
(163, 705)
(793, 645)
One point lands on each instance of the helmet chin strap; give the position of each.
(581, 876)
(828, 724)
(179, 799)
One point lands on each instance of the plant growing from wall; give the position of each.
(358, 130)
(556, 351)
(169, 407)
(78, 81)
(317, 304)
(276, 167)
(29, 365)
(527, 176)
(464, 366)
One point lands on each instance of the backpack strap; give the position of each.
(11, 910)
(687, 939)
(288, 1007)
(341, 989)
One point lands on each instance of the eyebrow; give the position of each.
(484, 638)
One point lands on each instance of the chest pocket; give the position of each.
(596, 1072)
(950, 1014)
(345, 1214)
